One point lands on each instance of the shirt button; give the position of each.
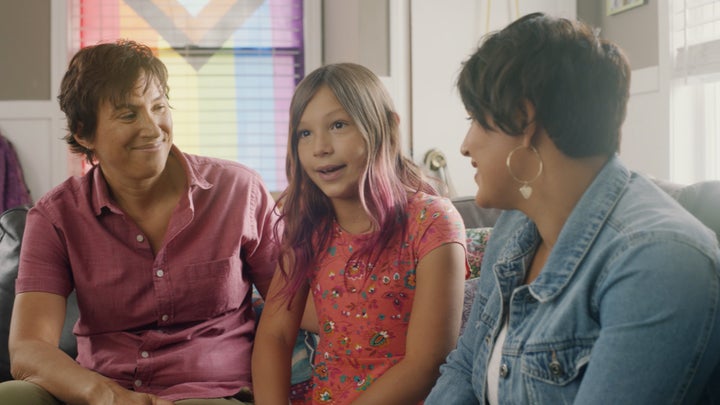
(144, 354)
(556, 368)
(164, 318)
(140, 238)
(138, 383)
(159, 273)
(504, 371)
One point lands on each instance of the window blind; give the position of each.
(232, 64)
(696, 37)
(695, 90)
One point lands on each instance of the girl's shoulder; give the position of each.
(434, 212)
(422, 205)
(421, 200)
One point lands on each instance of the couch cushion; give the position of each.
(474, 216)
(477, 239)
(476, 242)
(703, 201)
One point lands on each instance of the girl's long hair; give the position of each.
(307, 213)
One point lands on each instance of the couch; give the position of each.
(701, 199)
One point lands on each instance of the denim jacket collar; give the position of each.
(575, 239)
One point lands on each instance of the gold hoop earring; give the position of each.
(525, 188)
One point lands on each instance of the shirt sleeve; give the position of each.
(438, 222)
(261, 252)
(660, 327)
(44, 264)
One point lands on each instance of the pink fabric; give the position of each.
(178, 324)
(364, 315)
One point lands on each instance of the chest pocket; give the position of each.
(553, 375)
(205, 290)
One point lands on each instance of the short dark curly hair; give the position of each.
(104, 72)
(577, 83)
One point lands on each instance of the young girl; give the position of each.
(382, 255)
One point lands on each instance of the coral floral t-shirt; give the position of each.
(364, 308)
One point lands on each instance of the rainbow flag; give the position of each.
(233, 66)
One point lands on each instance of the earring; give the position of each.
(525, 188)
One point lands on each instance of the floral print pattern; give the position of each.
(477, 239)
(364, 308)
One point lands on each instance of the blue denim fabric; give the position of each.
(625, 311)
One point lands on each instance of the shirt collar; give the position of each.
(101, 194)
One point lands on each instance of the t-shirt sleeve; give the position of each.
(438, 222)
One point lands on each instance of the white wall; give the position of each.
(646, 145)
(442, 38)
(643, 34)
(35, 128)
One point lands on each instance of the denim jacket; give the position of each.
(625, 311)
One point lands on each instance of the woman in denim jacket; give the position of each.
(596, 287)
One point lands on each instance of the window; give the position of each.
(232, 64)
(695, 90)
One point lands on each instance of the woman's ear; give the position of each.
(83, 142)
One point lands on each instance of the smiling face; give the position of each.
(488, 151)
(133, 140)
(331, 149)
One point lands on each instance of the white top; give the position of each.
(493, 372)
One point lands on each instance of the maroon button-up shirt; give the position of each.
(178, 324)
